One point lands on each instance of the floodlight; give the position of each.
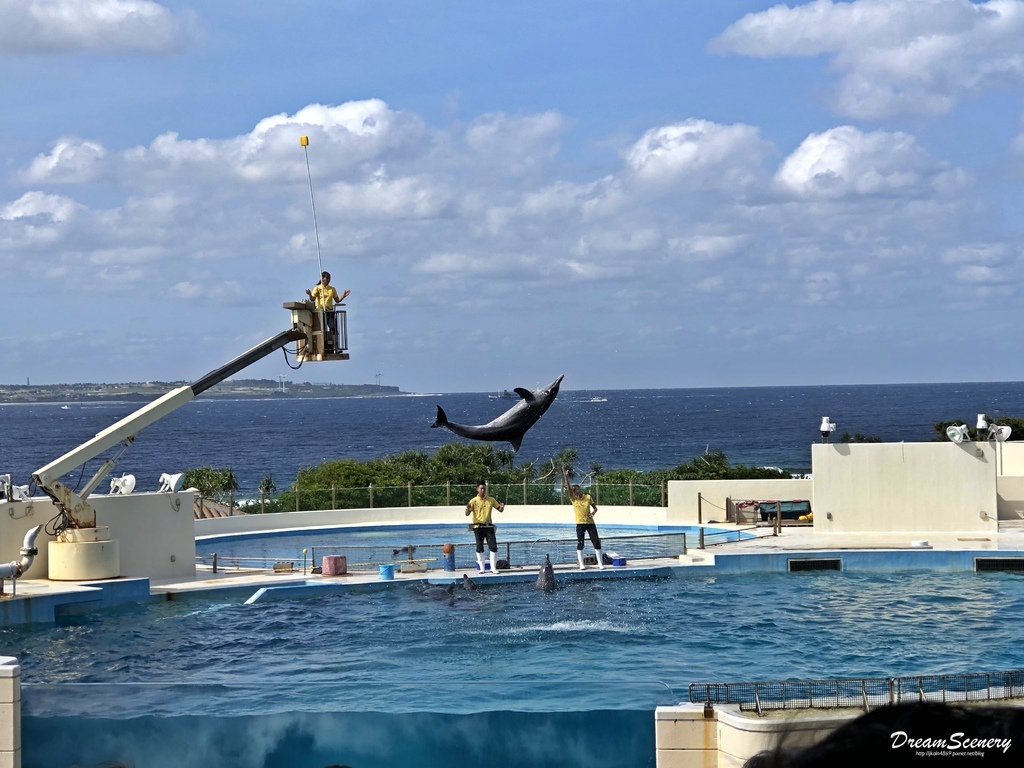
(19, 493)
(5, 485)
(124, 484)
(171, 483)
(957, 433)
(999, 433)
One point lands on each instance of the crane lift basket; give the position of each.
(325, 331)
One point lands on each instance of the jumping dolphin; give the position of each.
(512, 424)
(546, 577)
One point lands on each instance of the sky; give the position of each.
(634, 194)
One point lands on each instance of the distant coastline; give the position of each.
(149, 390)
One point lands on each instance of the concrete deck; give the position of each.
(44, 601)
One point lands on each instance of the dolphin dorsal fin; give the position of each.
(523, 393)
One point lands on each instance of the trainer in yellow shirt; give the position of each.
(480, 507)
(325, 297)
(585, 509)
(324, 294)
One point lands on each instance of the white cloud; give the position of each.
(342, 139)
(706, 247)
(699, 151)
(222, 292)
(979, 273)
(690, 221)
(895, 57)
(591, 271)
(713, 284)
(126, 255)
(33, 27)
(453, 263)
(977, 253)
(71, 161)
(515, 143)
(384, 198)
(40, 205)
(845, 161)
(819, 287)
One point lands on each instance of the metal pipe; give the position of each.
(16, 568)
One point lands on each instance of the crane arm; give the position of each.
(75, 505)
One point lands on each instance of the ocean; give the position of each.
(637, 428)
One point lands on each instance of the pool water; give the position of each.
(594, 646)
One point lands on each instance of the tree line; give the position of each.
(466, 464)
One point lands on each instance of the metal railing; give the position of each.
(516, 553)
(449, 494)
(715, 538)
(862, 692)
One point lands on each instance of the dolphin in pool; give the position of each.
(468, 583)
(440, 593)
(546, 577)
(513, 423)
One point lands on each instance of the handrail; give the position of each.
(863, 692)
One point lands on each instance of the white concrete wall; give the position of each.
(904, 487)
(155, 532)
(682, 496)
(10, 712)
(685, 738)
(1010, 498)
(513, 514)
(16, 519)
(1011, 459)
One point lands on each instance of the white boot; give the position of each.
(600, 559)
(480, 561)
(494, 562)
(579, 557)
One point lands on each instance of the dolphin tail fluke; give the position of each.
(441, 420)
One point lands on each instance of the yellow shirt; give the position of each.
(325, 297)
(581, 507)
(481, 509)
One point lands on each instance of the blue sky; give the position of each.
(642, 194)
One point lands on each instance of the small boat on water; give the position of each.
(503, 395)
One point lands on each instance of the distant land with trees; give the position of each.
(149, 390)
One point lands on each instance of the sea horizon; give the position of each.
(642, 429)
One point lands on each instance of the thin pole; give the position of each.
(304, 142)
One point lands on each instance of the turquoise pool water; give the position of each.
(507, 662)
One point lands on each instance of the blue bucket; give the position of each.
(387, 572)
